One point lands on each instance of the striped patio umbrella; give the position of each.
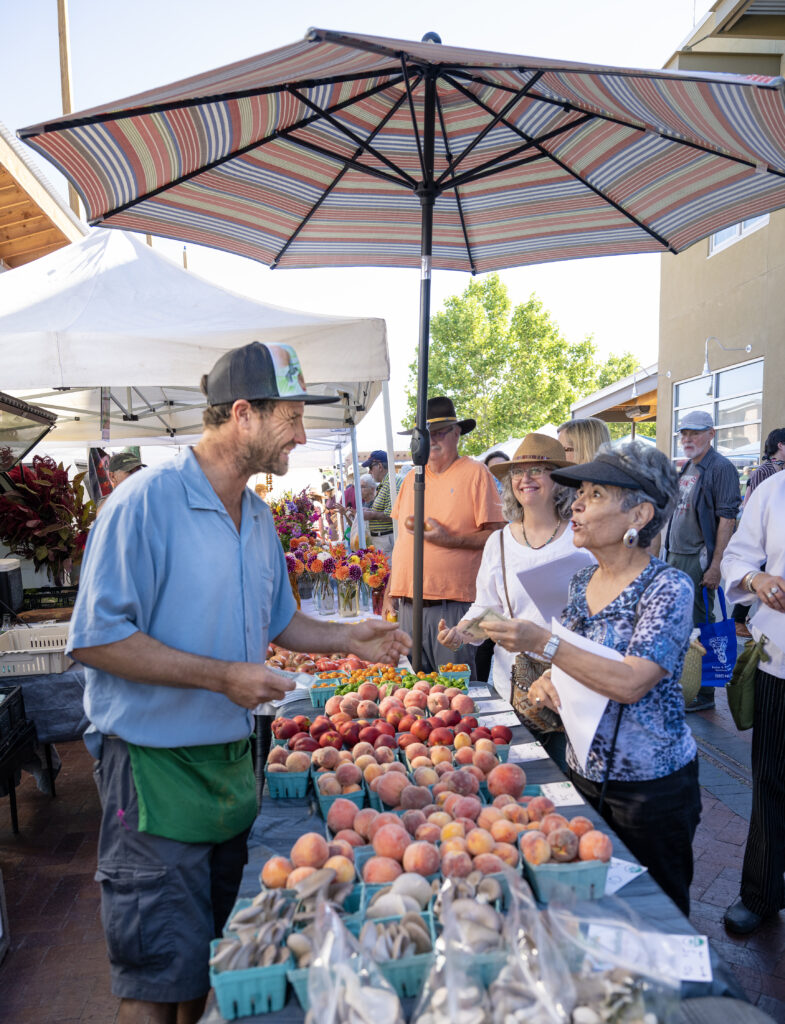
(350, 150)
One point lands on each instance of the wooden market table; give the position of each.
(281, 822)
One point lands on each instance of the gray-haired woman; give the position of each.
(641, 771)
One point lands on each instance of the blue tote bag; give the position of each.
(719, 639)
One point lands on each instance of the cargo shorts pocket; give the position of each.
(135, 913)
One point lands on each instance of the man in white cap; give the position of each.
(704, 520)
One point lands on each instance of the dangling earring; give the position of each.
(630, 538)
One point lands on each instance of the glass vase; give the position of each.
(377, 600)
(326, 595)
(293, 585)
(365, 596)
(348, 599)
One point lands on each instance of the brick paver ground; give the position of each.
(56, 970)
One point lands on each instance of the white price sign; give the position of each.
(563, 794)
(510, 719)
(479, 691)
(493, 707)
(620, 872)
(528, 752)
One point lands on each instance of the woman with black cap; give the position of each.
(641, 772)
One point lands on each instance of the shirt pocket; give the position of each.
(136, 904)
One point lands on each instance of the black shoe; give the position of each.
(700, 704)
(741, 921)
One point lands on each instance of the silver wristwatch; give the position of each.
(550, 649)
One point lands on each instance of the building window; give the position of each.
(722, 239)
(733, 397)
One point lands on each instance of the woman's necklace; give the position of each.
(536, 547)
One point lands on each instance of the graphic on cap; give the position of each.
(288, 372)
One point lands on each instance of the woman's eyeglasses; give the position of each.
(531, 471)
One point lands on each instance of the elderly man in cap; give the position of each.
(378, 515)
(183, 584)
(122, 465)
(462, 509)
(704, 519)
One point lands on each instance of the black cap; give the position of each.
(612, 471)
(125, 462)
(375, 456)
(256, 372)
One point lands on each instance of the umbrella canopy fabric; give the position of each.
(313, 155)
(110, 312)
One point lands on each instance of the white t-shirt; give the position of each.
(490, 589)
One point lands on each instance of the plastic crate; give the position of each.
(49, 597)
(252, 991)
(585, 880)
(287, 785)
(31, 651)
(12, 712)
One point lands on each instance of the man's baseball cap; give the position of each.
(697, 421)
(377, 456)
(257, 372)
(124, 462)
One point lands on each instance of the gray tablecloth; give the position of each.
(54, 703)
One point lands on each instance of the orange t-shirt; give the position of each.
(464, 499)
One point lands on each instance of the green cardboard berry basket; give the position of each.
(326, 802)
(584, 880)
(287, 785)
(463, 677)
(320, 696)
(251, 991)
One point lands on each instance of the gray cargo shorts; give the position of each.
(162, 901)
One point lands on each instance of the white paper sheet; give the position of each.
(581, 708)
(620, 872)
(478, 691)
(510, 719)
(563, 794)
(492, 707)
(548, 584)
(522, 752)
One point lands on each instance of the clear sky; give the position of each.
(119, 48)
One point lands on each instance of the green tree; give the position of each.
(510, 369)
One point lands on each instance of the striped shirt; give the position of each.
(382, 503)
(766, 469)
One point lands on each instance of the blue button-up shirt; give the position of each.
(165, 558)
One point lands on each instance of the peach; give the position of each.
(333, 705)
(368, 691)
(507, 853)
(277, 755)
(468, 823)
(486, 746)
(365, 761)
(463, 704)
(516, 813)
(390, 786)
(484, 761)
(535, 847)
(425, 776)
(479, 841)
(487, 816)
(328, 784)
(420, 762)
(440, 818)
(395, 766)
(385, 754)
(462, 739)
(362, 748)
(502, 800)
(580, 825)
(462, 782)
(438, 702)
(310, 850)
(595, 845)
(341, 848)
(367, 709)
(504, 831)
(298, 761)
(350, 836)
(353, 788)
(454, 828)
(421, 858)
(418, 750)
(564, 844)
(467, 807)
(488, 863)
(448, 801)
(381, 869)
(348, 774)
(440, 754)
(342, 866)
(298, 875)
(443, 768)
(539, 806)
(464, 755)
(325, 757)
(507, 778)
(415, 797)
(381, 819)
(371, 772)
(428, 832)
(276, 768)
(363, 821)
(456, 864)
(276, 871)
(552, 821)
(412, 819)
(457, 844)
(341, 814)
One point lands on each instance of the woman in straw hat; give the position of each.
(538, 532)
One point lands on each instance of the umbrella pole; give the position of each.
(421, 441)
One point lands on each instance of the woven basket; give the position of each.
(690, 681)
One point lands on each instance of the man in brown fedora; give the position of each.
(462, 509)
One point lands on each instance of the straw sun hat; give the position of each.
(533, 449)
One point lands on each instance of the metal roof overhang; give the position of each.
(631, 399)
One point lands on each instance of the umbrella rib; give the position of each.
(284, 133)
(362, 144)
(519, 95)
(568, 170)
(348, 161)
(410, 97)
(328, 191)
(457, 193)
(490, 166)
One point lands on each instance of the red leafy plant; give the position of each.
(46, 517)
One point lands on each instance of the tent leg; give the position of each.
(358, 501)
(390, 449)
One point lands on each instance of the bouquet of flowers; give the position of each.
(295, 517)
(376, 569)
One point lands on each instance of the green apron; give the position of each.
(204, 794)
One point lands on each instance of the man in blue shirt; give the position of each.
(183, 583)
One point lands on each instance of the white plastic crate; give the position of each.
(36, 651)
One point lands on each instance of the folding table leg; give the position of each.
(49, 767)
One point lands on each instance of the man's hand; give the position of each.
(436, 533)
(763, 584)
(516, 634)
(248, 685)
(451, 637)
(375, 640)
(711, 578)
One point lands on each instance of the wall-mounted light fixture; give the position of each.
(634, 392)
(706, 372)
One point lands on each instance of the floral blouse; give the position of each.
(651, 618)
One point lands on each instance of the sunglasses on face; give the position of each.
(437, 435)
(533, 472)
